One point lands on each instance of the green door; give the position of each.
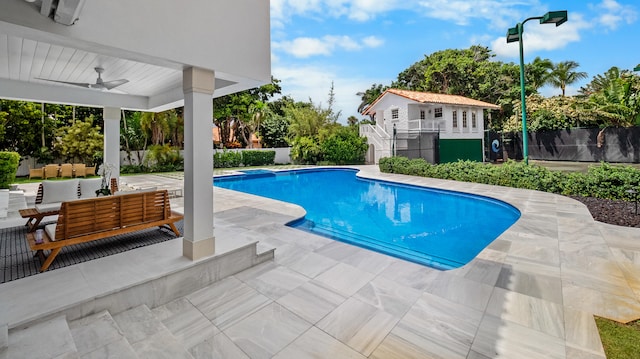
(464, 149)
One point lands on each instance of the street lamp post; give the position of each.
(515, 34)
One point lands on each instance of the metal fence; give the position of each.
(414, 144)
(611, 144)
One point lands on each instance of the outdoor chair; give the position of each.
(79, 170)
(90, 171)
(36, 172)
(66, 170)
(50, 171)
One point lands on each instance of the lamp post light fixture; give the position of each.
(515, 34)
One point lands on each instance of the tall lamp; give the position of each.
(515, 34)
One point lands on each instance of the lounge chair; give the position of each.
(36, 172)
(50, 171)
(66, 170)
(79, 170)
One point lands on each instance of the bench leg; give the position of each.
(33, 226)
(174, 229)
(50, 258)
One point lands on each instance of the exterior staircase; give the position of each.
(377, 138)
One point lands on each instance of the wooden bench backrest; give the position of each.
(94, 215)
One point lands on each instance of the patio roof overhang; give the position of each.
(146, 42)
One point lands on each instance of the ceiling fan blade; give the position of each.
(115, 83)
(80, 84)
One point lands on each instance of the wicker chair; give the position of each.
(66, 170)
(51, 171)
(79, 169)
(90, 171)
(36, 172)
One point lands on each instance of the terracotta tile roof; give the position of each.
(428, 97)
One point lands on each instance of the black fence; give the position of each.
(418, 145)
(612, 144)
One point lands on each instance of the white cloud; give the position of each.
(304, 82)
(611, 14)
(541, 37)
(304, 47)
(372, 41)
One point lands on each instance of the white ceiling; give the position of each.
(146, 50)
(27, 60)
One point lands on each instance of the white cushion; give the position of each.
(88, 187)
(48, 207)
(51, 231)
(59, 191)
(140, 190)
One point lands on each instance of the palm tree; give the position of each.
(370, 95)
(601, 81)
(538, 72)
(564, 74)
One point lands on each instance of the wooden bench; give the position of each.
(86, 220)
(35, 216)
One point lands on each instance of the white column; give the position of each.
(198, 85)
(111, 150)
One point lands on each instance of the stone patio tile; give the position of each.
(384, 294)
(359, 325)
(277, 282)
(267, 331)
(531, 312)
(227, 302)
(218, 347)
(186, 322)
(344, 279)
(311, 301)
(315, 343)
(498, 338)
(534, 285)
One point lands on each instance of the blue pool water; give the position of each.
(441, 229)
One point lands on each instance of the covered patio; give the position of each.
(159, 56)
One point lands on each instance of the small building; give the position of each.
(437, 127)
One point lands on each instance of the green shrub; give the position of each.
(163, 158)
(604, 181)
(258, 158)
(306, 150)
(227, 159)
(132, 169)
(345, 147)
(8, 167)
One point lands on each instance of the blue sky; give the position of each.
(361, 42)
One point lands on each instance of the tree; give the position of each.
(368, 96)
(601, 81)
(79, 141)
(538, 72)
(564, 74)
(239, 115)
(274, 131)
(132, 137)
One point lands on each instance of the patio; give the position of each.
(532, 293)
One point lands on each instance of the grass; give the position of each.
(620, 341)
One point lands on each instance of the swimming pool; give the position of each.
(439, 228)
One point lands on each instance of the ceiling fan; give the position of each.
(100, 84)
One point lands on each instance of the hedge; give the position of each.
(8, 167)
(258, 158)
(604, 181)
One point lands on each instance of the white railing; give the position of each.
(427, 125)
(376, 135)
